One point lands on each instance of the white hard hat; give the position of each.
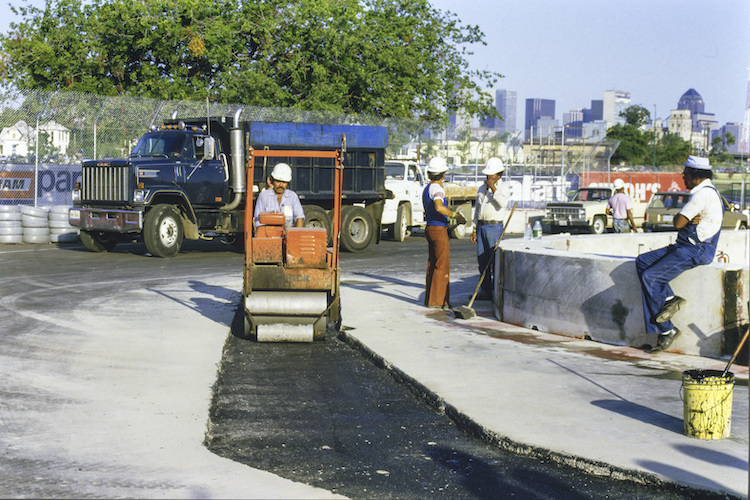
(697, 162)
(282, 172)
(493, 166)
(437, 165)
(618, 184)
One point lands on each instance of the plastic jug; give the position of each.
(527, 232)
(537, 230)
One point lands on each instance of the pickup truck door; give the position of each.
(414, 174)
(203, 180)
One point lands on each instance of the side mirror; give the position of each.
(209, 148)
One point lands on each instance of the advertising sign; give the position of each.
(640, 186)
(55, 184)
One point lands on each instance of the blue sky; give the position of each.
(572, 51)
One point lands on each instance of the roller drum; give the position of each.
(286, 303)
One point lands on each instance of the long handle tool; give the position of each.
(739, 348)
(466, 312)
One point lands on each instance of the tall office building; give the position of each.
(615, 102)
(536, 110)
(735, 129)
(597, 110)
(506, 103)
(745, 138)
(693, 101)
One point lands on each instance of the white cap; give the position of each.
(493, 166)
(282, 172)
(697, 162)
(618, 184)
(437, 165)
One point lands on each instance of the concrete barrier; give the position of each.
(587, 286)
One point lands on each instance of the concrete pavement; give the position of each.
(607, 409)
(109, 396)
(611, 410)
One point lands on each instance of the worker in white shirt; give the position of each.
(489, 213)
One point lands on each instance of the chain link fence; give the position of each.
(45, 136)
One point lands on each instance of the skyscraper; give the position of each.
(615, 102)
(506, 103)
(745, 139)
(538, 109)
(693, 101)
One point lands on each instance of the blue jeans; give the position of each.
(658, 267)
(487, 236)
(621, 225)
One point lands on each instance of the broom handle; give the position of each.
(736, 352)
(492, 254)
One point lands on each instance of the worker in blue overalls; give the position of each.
(699, 227)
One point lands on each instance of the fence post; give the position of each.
(36, 150)
(95, 123)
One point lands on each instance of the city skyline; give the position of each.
(573, 52)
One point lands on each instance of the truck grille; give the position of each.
(562, 213)
(105, 183)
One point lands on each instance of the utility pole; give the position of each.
(653, 126)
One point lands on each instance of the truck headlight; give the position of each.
(76, 195)
(582, 214)
(139, 195)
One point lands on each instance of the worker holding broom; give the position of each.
(489, 213)
(436, 232)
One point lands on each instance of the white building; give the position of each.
(15, 140)
(615, 102)
(20, 139)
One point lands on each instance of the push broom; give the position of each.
(466, 312)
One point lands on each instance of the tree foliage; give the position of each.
(637, 147)
(636, 116)
(388, 58)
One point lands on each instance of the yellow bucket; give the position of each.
(708, 403)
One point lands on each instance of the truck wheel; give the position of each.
(356, 228)
(403, 219)
(461, 230)
(162, 231)
(315, 216)
(599, 225)
(99, 241)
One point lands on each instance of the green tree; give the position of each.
(388, 58)
(636, 116)
(634, 145)
(672, 150)
(720, 146)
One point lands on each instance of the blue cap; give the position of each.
(697, 162)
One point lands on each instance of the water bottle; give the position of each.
(537, 230)
(527, 232)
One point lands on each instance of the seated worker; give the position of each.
(280, 199)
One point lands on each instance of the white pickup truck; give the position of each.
(405, 180)
(587, 211)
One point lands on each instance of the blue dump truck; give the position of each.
(187, 179)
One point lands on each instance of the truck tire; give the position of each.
(599, 225)
(162, 231)
(461, 230)
(401, 227)
(99, 241)
(356, 228)
(315, 216)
